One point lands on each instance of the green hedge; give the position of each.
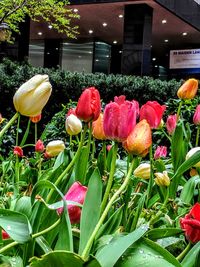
(67, 85)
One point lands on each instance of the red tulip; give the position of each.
(152, 111)
(120, 118)
(196, 117)
(36, 119)
(18, 151)
(39, 146)
(188, 90)
(89, 105)
(161, 151)
(76, 193)
(5, 235)
(71, 111)
(191, 224)
(171, 123)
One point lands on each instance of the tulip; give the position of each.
(171, 123)
(193, 172)
(5, 235)
(191, 224)
(196, 117)
(32, 96)
(76, 193)
(188, 90)
(18, 151)
(71, 111)
(143, 171)
(89, 105)
(120, 118)
(73, 125)
(161, 151)
(152, 111)
(162, 178)
(39, 146)
(191, 153)
(53, 148)
(97, 128)
(139, 140)
(36, 119)
(1, 119)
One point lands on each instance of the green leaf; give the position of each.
(91, 209)
(187, 193)
(138, 211)
(23, 205)
(41, 241)
(146, 253)
(107, 258)
(63, 157)
(155, 234)
(81, 165)
(16, 225)
(11, 261)
(192, 258)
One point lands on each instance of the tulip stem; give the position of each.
(8, 124)
(184, 252)
(150, 184)
(33, 236)
(64, 173)
(197, 136)
(17, 134)
(179, 110)
(26, 134)
(104, 156)
(105, 212)
(111, 176)
(36, 133)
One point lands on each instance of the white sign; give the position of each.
(185, 59)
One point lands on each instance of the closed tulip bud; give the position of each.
(5, 235)
(32, 96)
(193, 172)
(171, 123)
(76, 193)
(89, 105)
(161, 151)
(109, 147)
(143, 171)
(97, 128)
(139, 140)
(18, 151)
(191, 153)
(162, 179)
(53, 148)
(39, 146)
(73, 125)
(152, 111)
(36, 119)
(188, 90)
(196, 117)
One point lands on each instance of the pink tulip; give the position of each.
(18, 151)
(120, 118)
(196, 117)
(152, 111)
(76, 193)
(171, 123)
(161, 151)
(39, 146)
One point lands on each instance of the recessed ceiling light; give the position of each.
(48, 53)
(120, 51)
(164, 21)
(90, 31)
(97, 60)
(75, 10)
(56, 48)
(184, 33)
(39, 33)
(50, 27)
(90, 52)
(120, 16)
(107, 56)
(104, 24)
(166, 40)
(156, 66)
(114, 42)
(154, 59)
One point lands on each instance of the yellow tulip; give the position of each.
(191, 153)
(53, 148)
(73, 125)
(32, 96)
(143, 171)
(188, 90)
(162, 179)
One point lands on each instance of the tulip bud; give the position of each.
(191, 153)
(76, 193)
(139, 140)
(162, 179)
(188, 90)
(1, 119)
(53, 148)
(97, 128)
(32, 96)
(36, 119)
(196, 117)
(171, 123)
(5, 235)
(39, 146)
(143, 171)
(109, 147)
(89, 105)
(193, 172)
(161, 151)
(18, 151)
(73, 125)
(71, 111)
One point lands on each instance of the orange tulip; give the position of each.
(36, 119)
(188, 90)
(139, 140)
(97, 128)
